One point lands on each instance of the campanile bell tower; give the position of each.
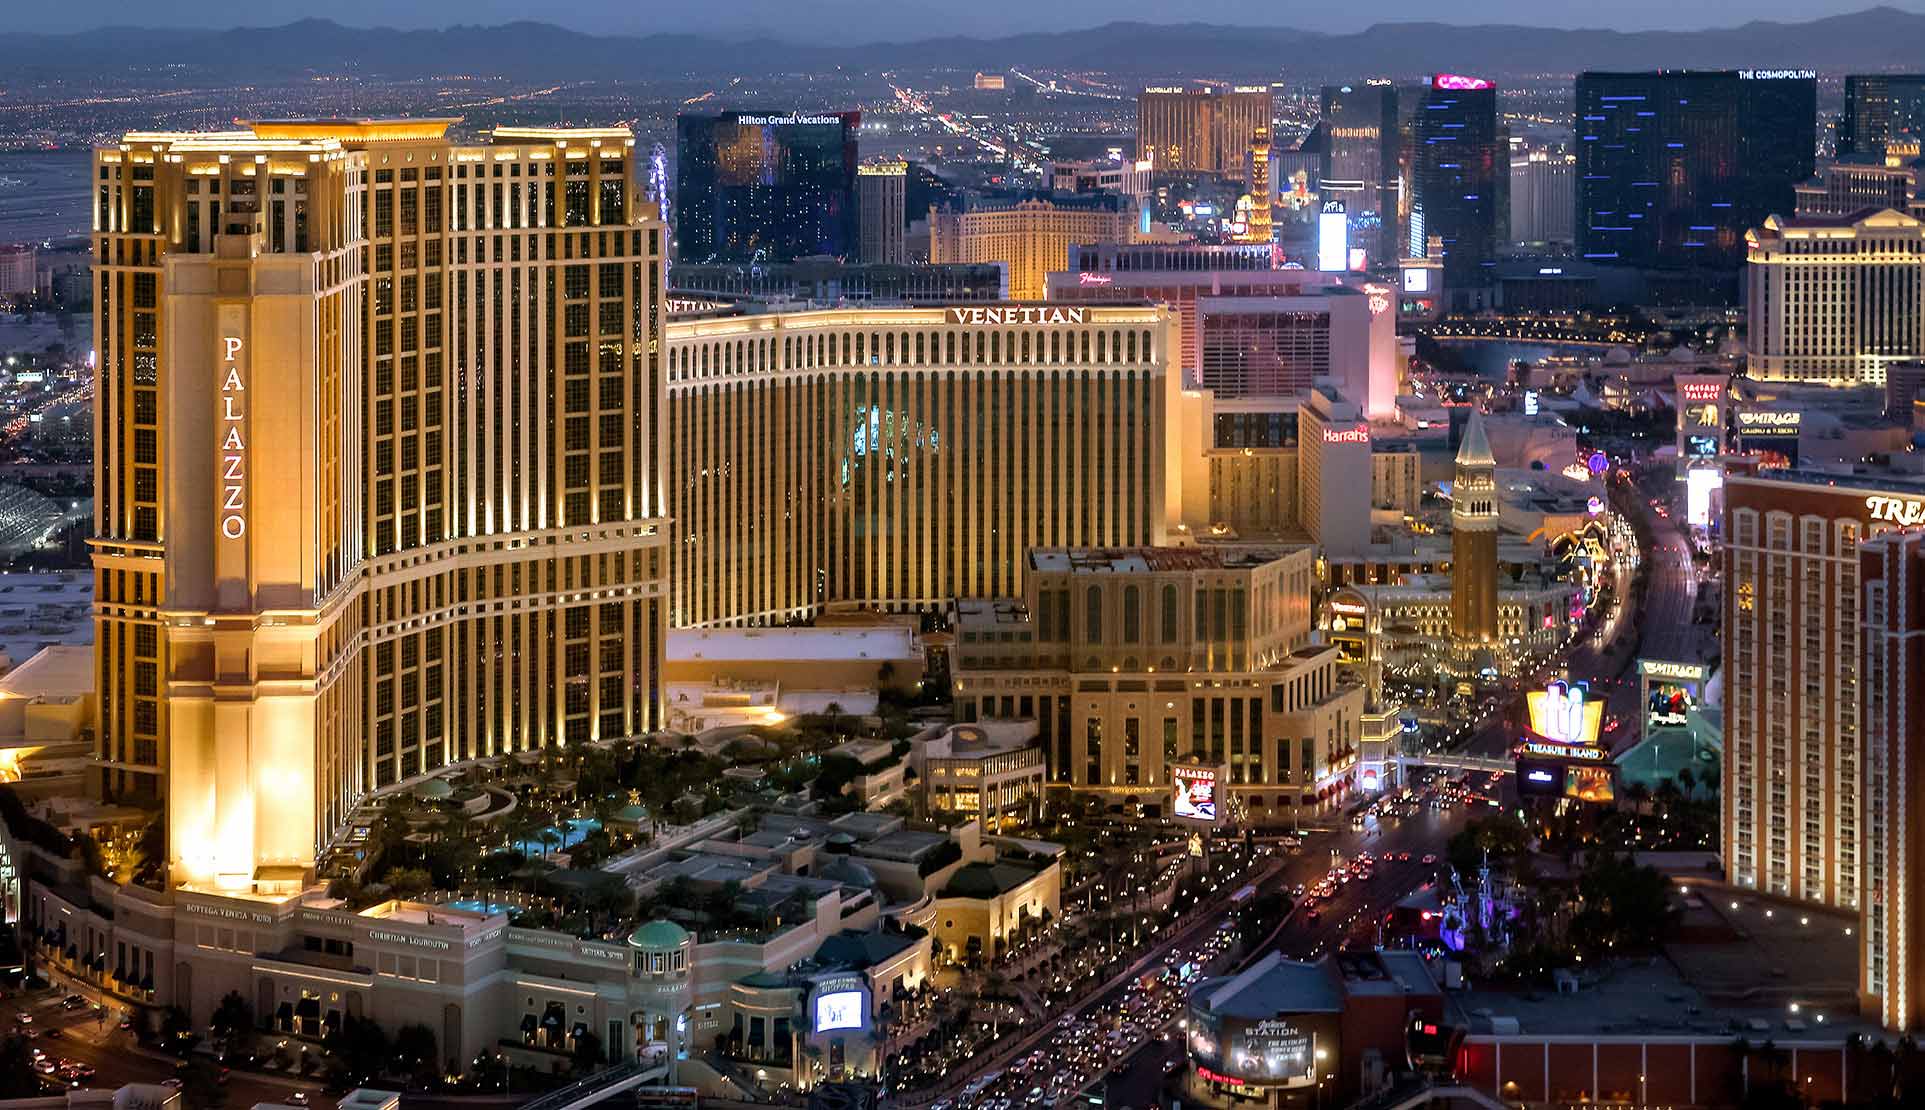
(1473, 544)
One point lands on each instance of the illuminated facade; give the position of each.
(1360, 124)
(1473, 543)
(1674, 165)
(1133, 660)
(1200, 130)
(1261, 191)
(1835, 299)
(881, 191)
(370, 403)
(1794, 785)
(1880, 108)
(755, 187)
(899, 459)
(1032, 235)
(1459, 169)
(1892, 568)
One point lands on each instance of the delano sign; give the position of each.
(1018, 314)
(233, 467)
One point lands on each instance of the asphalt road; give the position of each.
(116, 1058)
(1349, 916)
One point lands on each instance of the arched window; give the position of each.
(919, 349)
(1093, 615)
(1132, 624)
(1131, 348)
(1168, 621)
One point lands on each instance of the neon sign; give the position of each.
(1024, 314)
(1379, 298)
(233, 445)
(1561, 713)
(1094, 279)
(1457, 82)
(1359, 434)
(1906, 512)
(1546, 750)
(1700, 391)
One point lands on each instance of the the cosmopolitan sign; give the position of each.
(1018, 314)
(1906, 512)
(233, 443)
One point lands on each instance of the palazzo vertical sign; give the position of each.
(233, 433)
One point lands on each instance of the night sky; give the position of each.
(850, 21)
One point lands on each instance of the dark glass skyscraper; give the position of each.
(1879, 106)
(1360, 124)
(750, 186)
(1459, 171)
(1674, 167)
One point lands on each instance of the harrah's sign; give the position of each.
(1018, 314)
(233, 444)
(1358, 434)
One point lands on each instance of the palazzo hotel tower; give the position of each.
(379, 486)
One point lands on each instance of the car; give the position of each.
(23, 1019)
(55, 1034)
(298, 1098)
(1430, 857)
(73, 1002)
(173, 1082)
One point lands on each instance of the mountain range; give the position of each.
(1880, 38)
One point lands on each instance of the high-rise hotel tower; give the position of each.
(378, 484)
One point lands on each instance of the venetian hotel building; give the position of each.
(378, 479)
(898, 459)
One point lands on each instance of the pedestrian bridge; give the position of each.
(610, 1081)
(1458, 762)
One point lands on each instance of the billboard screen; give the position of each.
(1561, 712)
(1195, 790)
(1671, 691)
(838, 1010)
(1588, 784)
(1539, 779)
(1333, 241)
(1668, 703)
(1417, 279)
(1700, 482)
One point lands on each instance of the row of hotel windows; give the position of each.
(691, 359)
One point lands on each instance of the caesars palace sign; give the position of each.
(1018, 314)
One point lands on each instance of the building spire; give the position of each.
(1475, 450)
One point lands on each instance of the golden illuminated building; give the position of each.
(1200, 130)
(1261, 194)
(896, 459)
(378, 485)
(1032, 236)
(1134, 660)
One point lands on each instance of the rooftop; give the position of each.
(986, 880)
(977, 742)
(1271, 986)
(1140, 560)
(785, 644)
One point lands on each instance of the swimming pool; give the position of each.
(562, 837)
(476, 905)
